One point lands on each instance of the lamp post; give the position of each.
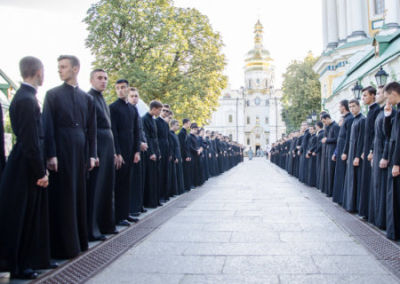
(309, 119)
(314, 116)
(357, 91)
(381, 77)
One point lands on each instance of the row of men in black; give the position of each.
(356, 162)
(105, 162)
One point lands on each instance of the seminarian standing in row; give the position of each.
(100, 186)
(185, 152)
(163, 135)
(368, 97)
(69, 120)
(125, 128)
(24, 226)
(392, 130)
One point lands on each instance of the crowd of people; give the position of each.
(355, 161)
(81, 167)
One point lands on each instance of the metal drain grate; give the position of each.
(87, 265)
(385, 250)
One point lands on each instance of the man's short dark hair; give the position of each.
(194, 125)
(166, 106)
(371, 90)
(320, 124)
(345, 104)
(133, 89)
(173, 122)
(29, 65)
(122, 81)
(155, 104)
(393, 86)
(381, 87)
(354, 101)
(325, 116)
(323, 112)
(95, 71)
(185, 120)
(72, 58)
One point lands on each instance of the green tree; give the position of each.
(301, 92)
(170, 54)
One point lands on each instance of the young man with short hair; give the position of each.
(125, 128)
(352, 183)
(152, 156)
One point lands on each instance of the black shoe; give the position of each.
(143, 210)
(132, 219)
(137, 214)
(97, 238)
(160, 204)
(26, 274)
(52, 265)
(124, 223)
(115, 232)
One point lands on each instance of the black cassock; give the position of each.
(151, 194)
(377, 201)
(177, 182)
(69, 119)
(138, 174)
(185, 153)
(342, 147)
(24, 238)
(125, 128)
(297, 158)
(318, 151)
(163, 135)
(324, 167)
(211, 156)
(352, 183)
(303, 160)
(196, 173)
(100, 186)
(312, 161)
(330, 150)
(220, 151)
(369, 134)
(392, 127)
(2, 146)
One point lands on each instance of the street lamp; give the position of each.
(309, 119)
(381, 77)
(314, 116)
(357, 91)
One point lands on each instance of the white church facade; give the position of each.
(252, 114)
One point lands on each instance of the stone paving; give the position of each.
(253, 225)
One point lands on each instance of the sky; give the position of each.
(49, 28)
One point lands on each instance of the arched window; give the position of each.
(267, 103)
(230, 118)
(248, 120)
(248, 102)
(230, 137)
(257, 120)
(258, 83)
(248, 141)
(266, 120)
(250, 83)
(257, 101)
(266, 83)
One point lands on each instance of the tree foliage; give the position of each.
(170, 54)
(301, 92)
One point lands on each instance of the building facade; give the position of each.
(251, 115)
(359, 36)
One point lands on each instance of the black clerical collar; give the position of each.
(371, 105)
(74, 87)
(358, 114)
(23, 84)
(123, 101)
(96, 91)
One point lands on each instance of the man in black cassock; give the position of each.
(185, 153)
(163, 135)
(125, 128)
(392, 130)
(195, 152)
(177, 175)
(137, 182)
(69, 120)
(323, 169)
(377, 201)
(368, 97)
(352, 182)
(330, 142)
(318, 151)
(24, 238)
(2, 146)
(220, 151)
(311, 159)
(303, 152)
(211, 153)
(100, 185)
(342, 147)
(152, 156)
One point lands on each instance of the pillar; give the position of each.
(332, 24)
(358, 19)
(325, 23)
(393, 9)
(342, 21)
